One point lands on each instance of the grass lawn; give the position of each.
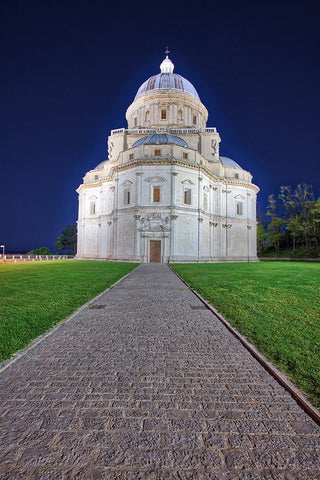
(276, 305)
(36, 296)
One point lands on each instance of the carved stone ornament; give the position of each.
(154, 222)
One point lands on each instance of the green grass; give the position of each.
(276, 305)
(36, 296)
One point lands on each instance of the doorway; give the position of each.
(155, 251)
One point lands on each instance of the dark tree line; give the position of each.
(294, 223)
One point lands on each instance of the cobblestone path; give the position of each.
(149, 385)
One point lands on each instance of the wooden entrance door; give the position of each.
(155, 250)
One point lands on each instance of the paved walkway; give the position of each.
(149, 385)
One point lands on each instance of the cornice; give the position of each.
(169, 162)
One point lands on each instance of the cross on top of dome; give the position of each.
(166, 66)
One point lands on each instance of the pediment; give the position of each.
(155, 179)
(187, 182)
(127, 183)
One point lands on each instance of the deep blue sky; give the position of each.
(71, 69)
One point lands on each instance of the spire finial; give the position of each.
(167, 52)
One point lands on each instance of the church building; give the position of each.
(165, 194)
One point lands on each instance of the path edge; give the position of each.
(281, 378)
(21, 353)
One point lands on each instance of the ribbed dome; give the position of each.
(167, 80)
(161, 139)
(228, 162)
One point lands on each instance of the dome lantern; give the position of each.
(166, 66)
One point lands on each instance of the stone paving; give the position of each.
(149, 385)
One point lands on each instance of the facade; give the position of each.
(165, 194)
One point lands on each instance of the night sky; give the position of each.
(69, 70)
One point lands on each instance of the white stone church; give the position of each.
(165, 194)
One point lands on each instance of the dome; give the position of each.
(167, 80)
(100, 165)
(228, 162)
(160, 139)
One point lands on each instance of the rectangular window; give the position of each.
(239, 208)
(131, 155)
(157, 153)
(185, 155)
(126, 196)
(187, 196)
(92, 208)
(236, 175)
(194, 120)
(156, 194)
(163, 114)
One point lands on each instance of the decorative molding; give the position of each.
(137, 217)
(174, 217)
(200, 219)
(226, 191)
(226, 225)
(213, 224)
(249, 227)
(154, 222)
(109, 223)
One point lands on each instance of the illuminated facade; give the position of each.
(165, 194)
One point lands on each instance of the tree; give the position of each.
(315, 224)
(298, 204)
(68, 239)
(275, 226)
(40, 251)
(263, 240)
